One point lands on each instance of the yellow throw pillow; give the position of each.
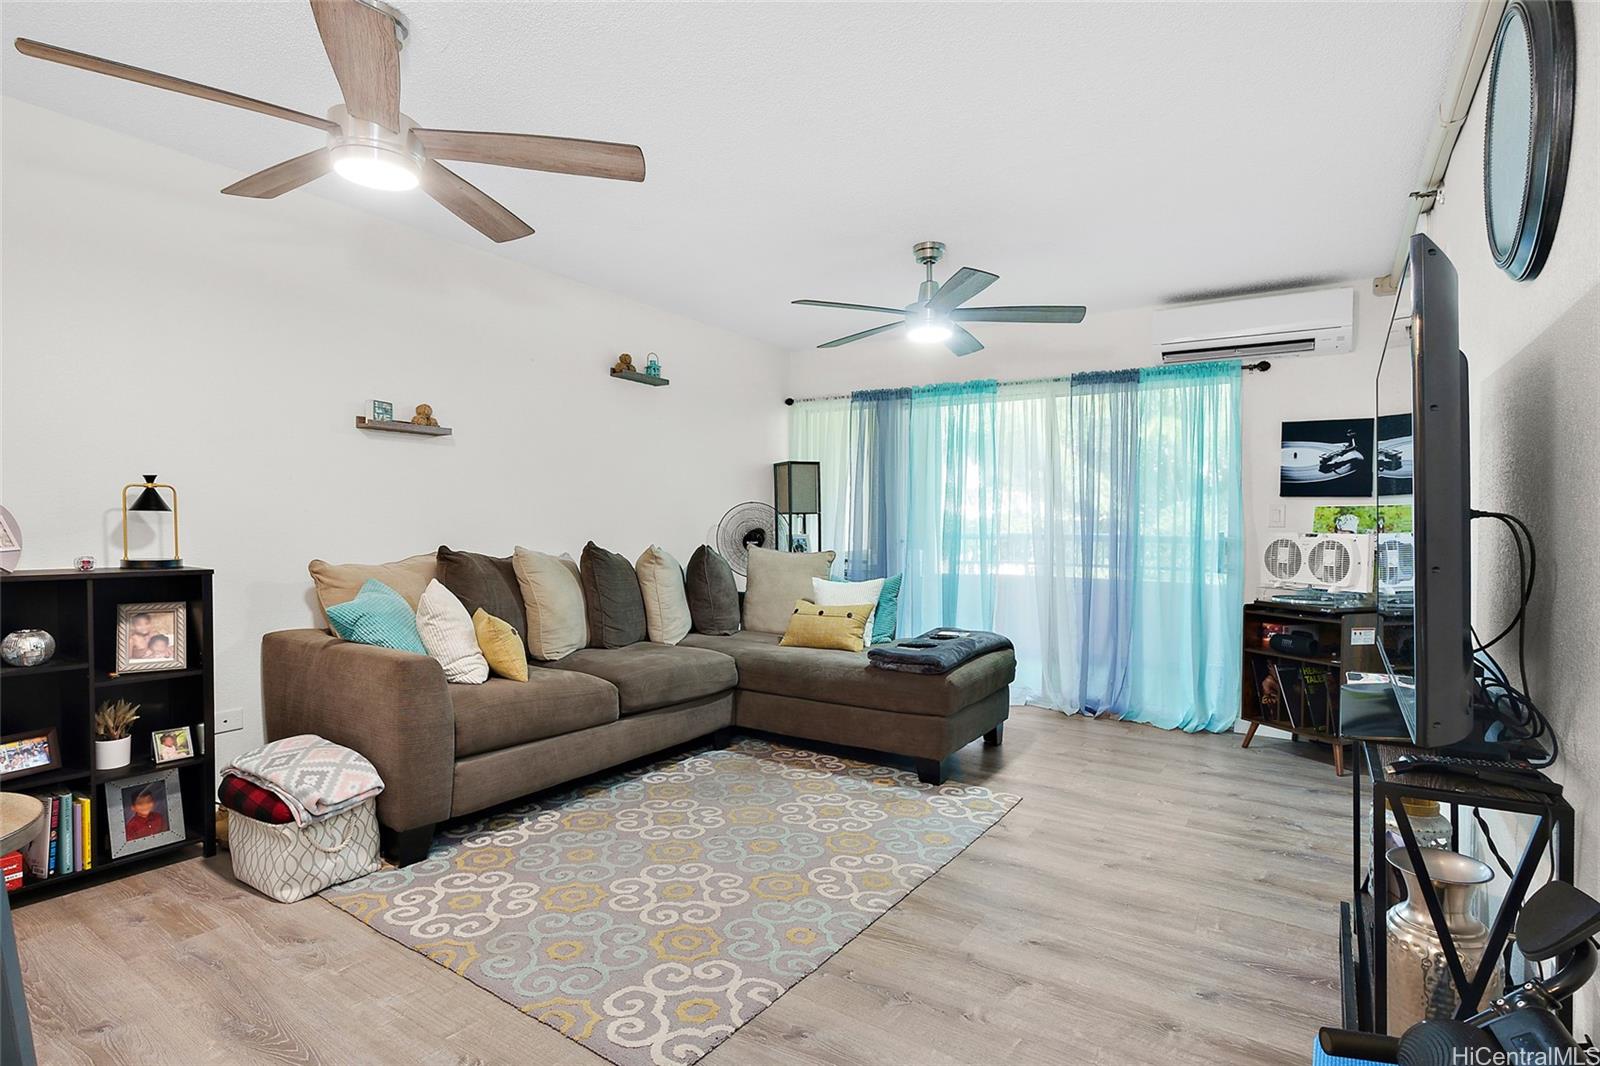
(840, 628)
(500, 645)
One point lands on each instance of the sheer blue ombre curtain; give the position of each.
(878, 481)
(1189, 549)
(1095, 521)
(951, 508)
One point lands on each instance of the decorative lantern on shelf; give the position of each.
(150, 500)
(797, 497)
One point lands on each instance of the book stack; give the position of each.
(66, 847)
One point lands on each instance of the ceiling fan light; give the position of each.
(926, 327)
(375, 167)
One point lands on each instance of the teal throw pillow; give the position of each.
(378, 615)
(886, 619)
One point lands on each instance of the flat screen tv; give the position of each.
(1423, 554)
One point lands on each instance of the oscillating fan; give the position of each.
(745, 526)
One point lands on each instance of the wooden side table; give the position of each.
(21, 818)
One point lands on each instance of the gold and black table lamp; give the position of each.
(150, 499)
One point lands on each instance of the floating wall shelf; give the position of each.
(363, 422)
(643, 379)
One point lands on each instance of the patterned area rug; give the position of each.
(649, 915)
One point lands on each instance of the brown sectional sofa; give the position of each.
(449, 750)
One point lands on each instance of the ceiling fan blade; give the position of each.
(96, 65)
(558, 155)
(1029, 313)
(365, 55)
(961, 342)
(864, 334)
(471, 204)
(851, 307)
(285, 177)
(963, 285)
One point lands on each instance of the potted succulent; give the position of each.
(113, 745)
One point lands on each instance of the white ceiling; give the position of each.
(1102, 153)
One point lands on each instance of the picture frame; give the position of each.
(1330, 457)
(382, 411)
(144, 812)
(31, 752)
(152, 636)
(170, 745)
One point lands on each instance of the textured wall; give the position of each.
(1539, 443)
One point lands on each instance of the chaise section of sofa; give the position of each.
(836, 697)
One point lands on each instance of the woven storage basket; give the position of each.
(288, 862)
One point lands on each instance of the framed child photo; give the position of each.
(170, 745)
(22, 754)
(152, 636)
(144, 812)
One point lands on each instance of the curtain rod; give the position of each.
(789, 401)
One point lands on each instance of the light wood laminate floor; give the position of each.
(1156, 898)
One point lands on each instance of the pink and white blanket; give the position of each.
(315, 777)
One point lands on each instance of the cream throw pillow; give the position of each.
(825, 593)
(339, 582)
(775, 581)
(552, 594)
(448, 635)
(666, 605)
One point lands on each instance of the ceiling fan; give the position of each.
(937, 314)
(370, 142)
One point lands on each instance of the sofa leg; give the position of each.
(995, 737)
(408, 846)
(931, 771)
(723, 737)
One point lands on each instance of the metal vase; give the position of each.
(1419, 980)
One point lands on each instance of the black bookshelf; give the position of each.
(79, 609)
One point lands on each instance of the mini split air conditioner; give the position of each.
(1293, 323)
(1335, 562)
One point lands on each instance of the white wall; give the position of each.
(1533, 349)
(150, 324)
(1295, 388)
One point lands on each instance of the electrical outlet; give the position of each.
(230, 719)
(1275, 519)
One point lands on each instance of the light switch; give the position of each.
(1275, 518)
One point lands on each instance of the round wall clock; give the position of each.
(1527, 135)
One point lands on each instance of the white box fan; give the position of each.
(1335, 562)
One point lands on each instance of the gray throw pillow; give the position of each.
(774, 581)
(487, 582)
(713, 597)
(612, 599)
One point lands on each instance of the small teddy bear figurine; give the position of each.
(624, 365)
(424, 416)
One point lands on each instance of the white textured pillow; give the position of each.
(447, 633)
(552, 595)
(825, 593)
(775, 581)
(666, 605)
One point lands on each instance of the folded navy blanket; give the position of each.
(938, 651)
